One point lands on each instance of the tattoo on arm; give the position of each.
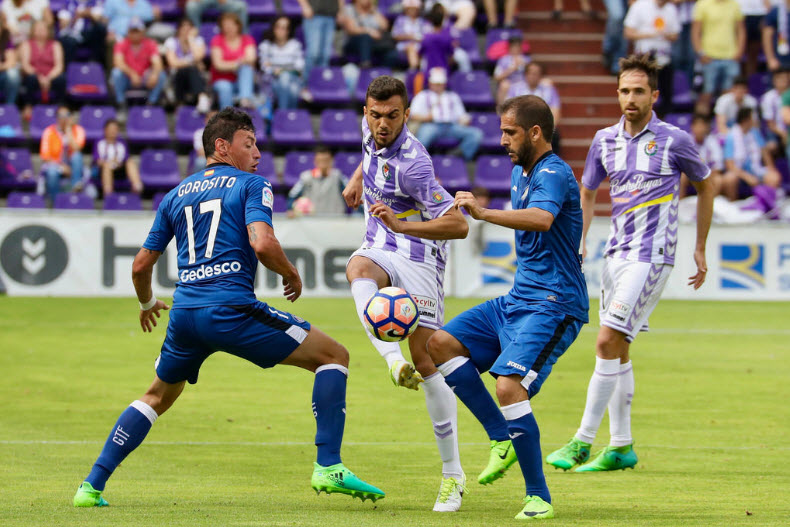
(253, 234)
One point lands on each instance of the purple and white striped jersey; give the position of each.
(644, 179)
(401, 176)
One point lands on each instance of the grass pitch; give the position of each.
(710, 421)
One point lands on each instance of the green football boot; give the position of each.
(337, 478)
(612, 458)
(403, 374)
(535, 509)
(574, 453)
(87, 496)
(501, 458)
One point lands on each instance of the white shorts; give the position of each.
(629, 293)
(424, 282)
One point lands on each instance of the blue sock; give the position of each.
(521, 424)
(465, 381)
(130, 430)
(329, 408)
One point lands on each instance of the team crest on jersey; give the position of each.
(437, 196)
(268, 197)
(385, 170)
(651, 148)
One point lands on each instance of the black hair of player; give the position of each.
(531, 110)
(224, 125)
(436, 15)
(384, 87)
(644, 63)
(743, 115)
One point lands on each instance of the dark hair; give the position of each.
(644, 63)
(479, 191)
(269, 35)
(111, 120)
(741, 81)
(515, 38)
(779, 71)
(384, 87)
(531, 110)
(182, 21)
(534, 64)
(322, 149)
(436, 15)
(743, 114)
(224, 125)
(701, 117)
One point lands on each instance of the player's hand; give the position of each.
(292, 288)
(386, 215)
(702, 268)
(148, 316)
(469, 202)
(353, 193)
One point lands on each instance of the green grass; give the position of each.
(710, 419)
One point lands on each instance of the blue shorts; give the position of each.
(515, 338)
(257, 332)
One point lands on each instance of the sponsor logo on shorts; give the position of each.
(515, 365)
(426, 305)
(209, 271)
(619, 310)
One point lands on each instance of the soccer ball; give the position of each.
(391, 314)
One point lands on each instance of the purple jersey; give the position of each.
(544, 90)
(401, 176)
(106, 151)
(644, 178)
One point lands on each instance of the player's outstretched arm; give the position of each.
(270, 253)
(706, 191)
(449, 226)
(531, 219)
(142, 271)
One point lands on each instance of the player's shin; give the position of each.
(362, 289)
(620, 407)
(525, 435)
(443, 411)
(599, 393)
(130, 430)
(329, 409)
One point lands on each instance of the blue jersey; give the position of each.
(549, 263)
(208, 213)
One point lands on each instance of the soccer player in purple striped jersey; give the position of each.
(643, 157)
(409, 219)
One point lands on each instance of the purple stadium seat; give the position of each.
(365, 76)
(261, 9)
(759, 83)
(92, 118)
(258, 29)
(681, 120)
(16, 169)
(43, 116)
(467, 40)
(169, 8)
(291, 8)
(10, 125)
(340, 128)
(473, 87)
(208, 30)
(390, 8)
(499, 203)
(295, 164)
(682, 96)
(495, 35)
(451, 173)
(347, 162)
(257, 122)
(292, 128)
(328, 86)
(157, 199)
(25, 200)
(266, 168)
(57, 5)
(73, 201)
(147, 125)
(188, 119)
(159, 169)
(489, 124)
(493, 173)
(280, 204)
(85, 81)
(123, 201)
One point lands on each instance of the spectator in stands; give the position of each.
(440, 46)
(367, 34)
(197, 144)
(42, 67)
(408, 30)
(614, 44)
(510, 68)
(61, 154)
(727, 106)
(111, 160)
(683, 58)
(20, 15)
(318, 25)
(492, 14)
(232, 62)
(709, 149)
(121, 14)
(440, 112)
(10, 78)
(464, 11)
(319, 190)
(137, 64)
(771, 111)
(81, 24)
(194, 10)
(746, 157)
(533, 83)
(282, 62)
(653, 25)
(559, 7)
(719, 39)
(185, 53)
(776, 37)
(754, 12)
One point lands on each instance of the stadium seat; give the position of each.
(489, 124)
(188, 119)
(123, 201)
(25, 200)
(347, 162)
(16, 169)
(493, 173)
(57, 5)
(494, 35)
(261, 9)
(327, 86)
(295, 164)
(467, 40)
(146, 125)
(43, 116)
(681, 120)
(365, 76)
(266, 168)
(280, 204)
(682, 96)
(340, 128)
(257, 122)
(157, 199)
(169, 8)
(258, 30)
(291, 8)
(73, 201)
(759, 83)
(473, 87)
(208, 30)
(85, 81)
(159, 169)
(390, 8)
(451, 173)
(499, 203)
(292, 128)
(10, 125)
(92, 119)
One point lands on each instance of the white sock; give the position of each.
(599, 391)
(620, 407)
(362, 289)
(443, 410)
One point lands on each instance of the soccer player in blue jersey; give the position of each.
(519, 336)
(221, 218)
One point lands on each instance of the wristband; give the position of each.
(148, 305)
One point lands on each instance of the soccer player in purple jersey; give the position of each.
(643, 158)
(409, 218)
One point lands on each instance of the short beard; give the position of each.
(525, 154)
(394, 138)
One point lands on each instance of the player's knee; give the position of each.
(337, 354)
(442, 347)
(509, 390)
(610, 344)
